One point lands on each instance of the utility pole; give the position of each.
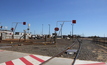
(49, 29)
(73, 22)
(72, 30)
(42, 29)
(61, 30)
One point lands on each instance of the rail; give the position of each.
(78, 51)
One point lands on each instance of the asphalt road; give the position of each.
(10, 55)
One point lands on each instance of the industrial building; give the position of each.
(8, 34)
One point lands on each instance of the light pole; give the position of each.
(72, 30)
(49, 29)
(42, 29)
(73, 22)
(61, 29)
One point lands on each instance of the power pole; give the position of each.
(61, 30)
(72, 30)
(42, 29)
(49, 29)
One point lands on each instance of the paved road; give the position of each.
(89, 51)
(17, 58)
(10, 55)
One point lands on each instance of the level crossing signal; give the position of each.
(56, 29)
(1, 26)
(74, 21)
(12, 29)
(24, 23)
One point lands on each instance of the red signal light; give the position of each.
(12, 29)
(56, 29)
(1, 26)
(24, 23)
(73, 21)
(10, 33)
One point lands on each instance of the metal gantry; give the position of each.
(60, 32)
(28, 27)
(13, 29)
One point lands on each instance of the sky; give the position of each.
(90, 16)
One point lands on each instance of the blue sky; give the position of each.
(91, 15)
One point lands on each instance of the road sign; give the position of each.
(74, 21)
(56, 29)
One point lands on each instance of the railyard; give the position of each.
(90, 50)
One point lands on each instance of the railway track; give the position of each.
(69, 47)
(89, 50)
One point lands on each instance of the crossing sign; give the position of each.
(56, 29)
(74, 21)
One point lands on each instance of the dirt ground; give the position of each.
(89, 50)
